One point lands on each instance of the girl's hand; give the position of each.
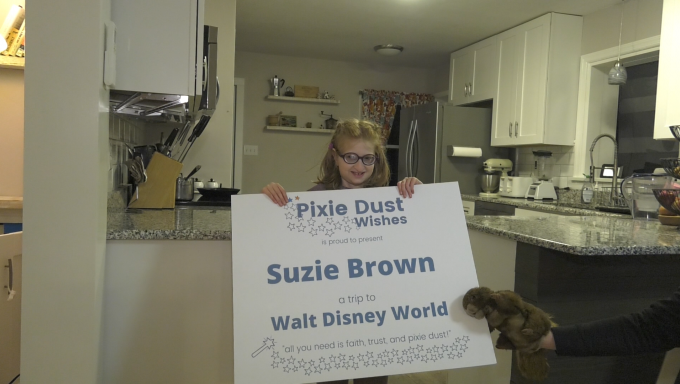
(406, 186)
(276, 193)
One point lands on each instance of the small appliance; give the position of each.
(543, 189)
(514, 186)
(491, 177)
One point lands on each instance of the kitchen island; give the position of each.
(578, 268)
(172, 300)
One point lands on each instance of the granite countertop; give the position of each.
(182, 223)
(584, 235)
(11, 202)
(572, 208)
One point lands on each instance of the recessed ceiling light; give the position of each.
(388, 49)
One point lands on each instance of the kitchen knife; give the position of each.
(172, 137)
(198, 130)
(181, 136)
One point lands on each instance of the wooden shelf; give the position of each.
(303, 100)
(11, 62)
(298, 129)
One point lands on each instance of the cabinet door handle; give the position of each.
(510, 130)
(516, 125)
(470, 89)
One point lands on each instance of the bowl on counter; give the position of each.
(669, 220)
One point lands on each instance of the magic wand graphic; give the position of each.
(267, 344)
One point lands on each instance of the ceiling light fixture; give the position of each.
(388, 49)
(618, 74)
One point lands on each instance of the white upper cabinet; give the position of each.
(473, 73)
(667, 113)
(537, 83)
(159, 45)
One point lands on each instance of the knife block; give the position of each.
(159, 189)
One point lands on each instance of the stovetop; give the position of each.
(203, 202)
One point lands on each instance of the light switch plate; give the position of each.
(250, 150)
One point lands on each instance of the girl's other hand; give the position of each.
(406, 186)
(276, 193)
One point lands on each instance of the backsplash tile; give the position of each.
(121, 131)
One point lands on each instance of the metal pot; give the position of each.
(184, 189)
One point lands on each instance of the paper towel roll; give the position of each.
(463, 151)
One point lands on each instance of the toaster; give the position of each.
(514, 186)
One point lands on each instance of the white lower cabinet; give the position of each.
(538, 73)
(10, 310)
(469, 208)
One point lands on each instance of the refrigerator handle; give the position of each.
(416, 144)
(408, 150)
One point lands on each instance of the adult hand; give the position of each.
(406, 186)
(276, 193)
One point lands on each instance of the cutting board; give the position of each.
(159, 189)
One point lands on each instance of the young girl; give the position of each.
(355, 159)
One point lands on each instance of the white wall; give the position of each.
(293, 158)
(12, 127)
(65, 165)
(641, 19)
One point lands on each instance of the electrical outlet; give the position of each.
(250, 150)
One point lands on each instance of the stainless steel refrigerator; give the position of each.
(426, 130)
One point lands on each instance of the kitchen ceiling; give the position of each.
(348, 30)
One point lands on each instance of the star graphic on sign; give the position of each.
(291, 360)
(311, 222)
(308, 371)
(297, 197)
(329, 220)
(369, 355)
(420, 348)
(346, 220)
(355, 365)
(286, 369)
(345, 364)
(338, 225)
(460, 355)
(291, 226)
(275, 364)
(452, 355)
(400, 360)
(290, 200)
(301, 228)
(466, 339)
(312, 231)
(289, 216)
(329, 233)
(275, 355)
(348, 229)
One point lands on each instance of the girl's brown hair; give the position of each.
(329, 175)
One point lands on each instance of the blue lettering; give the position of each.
(272, 269)
(355, 269)
(302, 208)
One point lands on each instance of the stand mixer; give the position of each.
(491, 177)
(543, 188)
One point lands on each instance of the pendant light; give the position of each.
(618, 74)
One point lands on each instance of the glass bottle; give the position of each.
(587, 190)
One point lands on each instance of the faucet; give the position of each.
(613, 195)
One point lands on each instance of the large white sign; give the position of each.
(353, 283)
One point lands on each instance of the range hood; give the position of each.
(150, 106)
